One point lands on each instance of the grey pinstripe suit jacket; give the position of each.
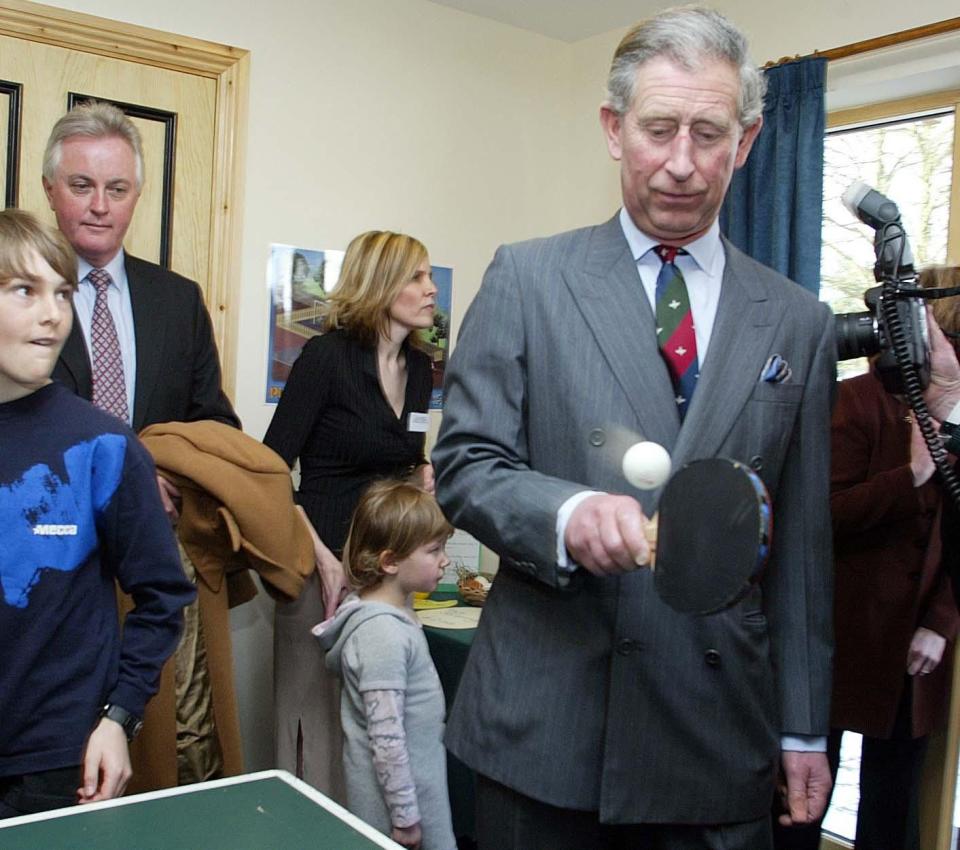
(597, 696)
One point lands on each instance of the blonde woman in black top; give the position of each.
(354, 409)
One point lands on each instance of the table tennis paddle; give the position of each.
(711, 536)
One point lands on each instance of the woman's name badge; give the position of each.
(419, 422)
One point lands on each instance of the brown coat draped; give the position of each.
(237, 514)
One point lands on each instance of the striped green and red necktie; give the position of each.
(675, 334)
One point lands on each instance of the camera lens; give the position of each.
(856, 335)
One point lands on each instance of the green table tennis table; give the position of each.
(270, 810)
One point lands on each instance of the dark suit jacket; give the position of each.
(888, 576)
(178, 369)
(599, 696)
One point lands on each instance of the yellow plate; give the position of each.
(430, 604)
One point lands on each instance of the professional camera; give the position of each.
(895, 325)
(895, 317)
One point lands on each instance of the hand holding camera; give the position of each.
(943, 393)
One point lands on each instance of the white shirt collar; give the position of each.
(114, 268)
(706, 251)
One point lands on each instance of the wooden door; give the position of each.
(186, 99)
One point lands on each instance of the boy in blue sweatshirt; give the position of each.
(79, 509)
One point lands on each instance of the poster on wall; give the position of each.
(300, 280)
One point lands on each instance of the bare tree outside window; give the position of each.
(909, 161)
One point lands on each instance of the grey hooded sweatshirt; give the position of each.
(374, 646)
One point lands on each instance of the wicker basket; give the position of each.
(469, 591)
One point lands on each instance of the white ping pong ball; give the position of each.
(646, 465)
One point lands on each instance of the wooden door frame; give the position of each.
(228, 67)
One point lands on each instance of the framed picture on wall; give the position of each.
(299, 281)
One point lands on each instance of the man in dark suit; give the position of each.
(92, 175)
(141, 347)
(595, 715)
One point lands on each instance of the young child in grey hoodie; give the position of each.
(392, 707)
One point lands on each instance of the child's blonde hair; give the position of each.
(392, 516)
(22, 233)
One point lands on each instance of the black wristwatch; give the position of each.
(130, 723)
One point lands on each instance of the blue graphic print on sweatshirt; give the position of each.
(43, 516)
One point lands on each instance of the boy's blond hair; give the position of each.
(22, 233)
(395, 517)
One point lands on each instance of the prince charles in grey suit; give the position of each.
(595, 715)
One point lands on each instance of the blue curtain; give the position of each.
(773, 210)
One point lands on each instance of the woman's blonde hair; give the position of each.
(391, 516)
(22, 232)
(376, 267)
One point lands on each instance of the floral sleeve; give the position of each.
(391, 761)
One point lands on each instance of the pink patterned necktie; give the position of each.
(109, 384)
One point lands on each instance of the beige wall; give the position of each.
(406, 115)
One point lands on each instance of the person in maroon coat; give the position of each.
(894, 612)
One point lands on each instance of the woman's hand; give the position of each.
(926, 650)
(333, 579)
(333, 583)
(943, 391)
(424, 478)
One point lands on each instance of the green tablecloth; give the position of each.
(449, 649)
